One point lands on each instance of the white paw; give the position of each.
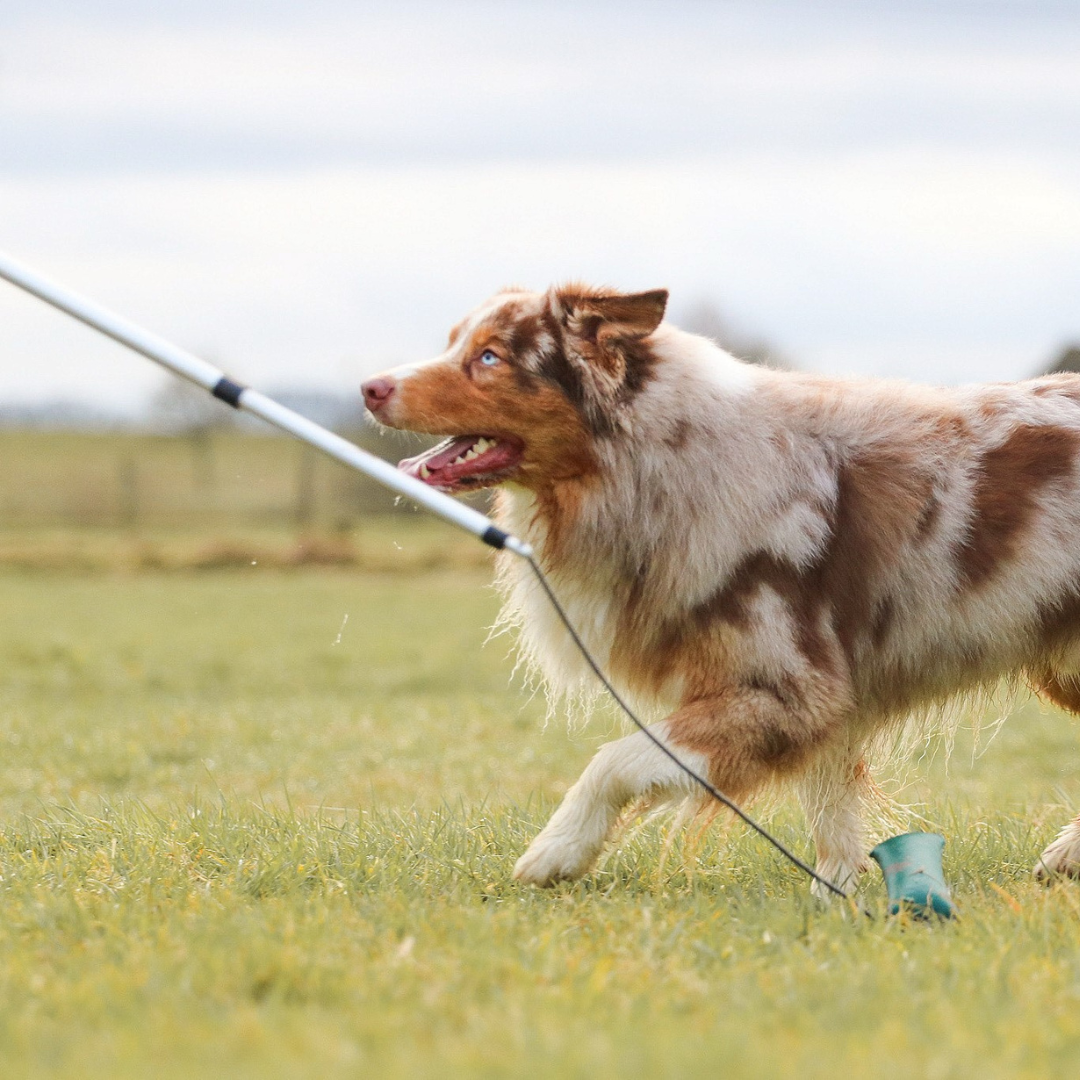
(843, 875)
(549, 860)
(1062, 857)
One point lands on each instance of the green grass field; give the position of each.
(244, 835)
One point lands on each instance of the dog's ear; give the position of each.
(605, 318)
(605, 334)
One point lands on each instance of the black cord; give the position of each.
(643, 728)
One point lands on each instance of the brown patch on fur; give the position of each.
(1006, 497)
(679, 436)
(747, 735)
(762, 570)
(929, 518)
(881, 499)
(640, 369)
(695, 643)
(951, 428)
(950, 432)
(555, 366)
(1059, 622)
(883, 621)
(522, 337)
(785, 690)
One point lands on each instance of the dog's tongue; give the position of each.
(438, 457)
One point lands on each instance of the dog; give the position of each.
(780, 566)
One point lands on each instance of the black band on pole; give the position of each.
(229, 392)
(495, 537)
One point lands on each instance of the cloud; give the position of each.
(330, 274)
(307, 192)
(380, 83)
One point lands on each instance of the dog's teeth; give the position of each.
(425, 472)
(473, 453)
(460, 459)
(484, 445)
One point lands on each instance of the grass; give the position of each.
(241, 835)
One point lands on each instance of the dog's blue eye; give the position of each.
(488, 358)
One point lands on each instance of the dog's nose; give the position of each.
(377, 392)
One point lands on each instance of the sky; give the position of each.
(307, 192)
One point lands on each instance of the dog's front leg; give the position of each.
(621, 772)
(737, 739)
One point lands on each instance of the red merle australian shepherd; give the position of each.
(782, 566)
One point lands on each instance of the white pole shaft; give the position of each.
(211, 378)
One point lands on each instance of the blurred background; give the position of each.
(305, 193)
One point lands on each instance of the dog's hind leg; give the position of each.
(834, 794)
(620, 773)
(1063, 855)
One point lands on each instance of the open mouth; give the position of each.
(466, 462)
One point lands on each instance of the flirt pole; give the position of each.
(251, 401)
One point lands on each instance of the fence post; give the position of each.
(128, 483)
(304, 502)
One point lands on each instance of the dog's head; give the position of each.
(525, 385)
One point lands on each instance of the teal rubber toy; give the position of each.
(914, 877)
